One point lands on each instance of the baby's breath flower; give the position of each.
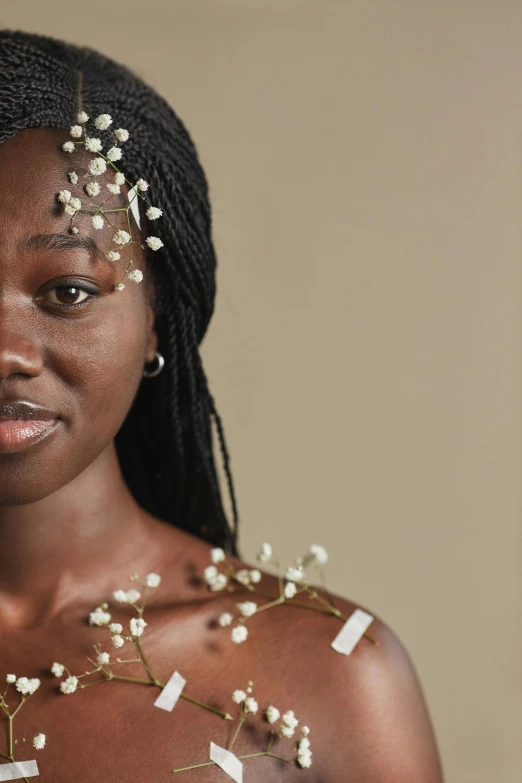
(69, 685)
(93, 145)
(82, 116)
(141, 184)
(251, 705)
(255, 576)
(119, 178)
(70, 209)
(103, 121)
(97, 221)
(99, 617)
(39, 741)
(27, 686)
(117, 641)
(265, 553)
(75, 203)
(121, 134)
(152, 579)
(304, 758)
(97, 166)
(243, 576)
(319, 553)
(289, 719)
(76, 131)
(121, 237)
(303, 744)
(64, 196)
(136, 275)
(286, 731)
(74, 229)
(239, 634)
(10, 678)
(103, 657)
(115, 627)
(248, 608)
(295, 574)
(225, 619)
(305, 731)
(153, 213)
(137, 624)
(68, 146)
(272, 714)
(57, 669)
(210, 572)
(290, 589)
(154, 243)
(92, 188)
(113, 255)
(73, 177)
(239, 696)
(119, 287)
(114, 153)
(113, 187)
(217, 555)
(219, 582)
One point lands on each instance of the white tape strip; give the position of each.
(227, 761)
(352, 631)
(170, 692)
(18, 769)
(133, 199)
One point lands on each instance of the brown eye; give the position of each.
(67, 295)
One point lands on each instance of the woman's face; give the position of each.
(82, 362)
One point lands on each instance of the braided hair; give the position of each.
(165, 443)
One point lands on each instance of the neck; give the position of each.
(71, 543)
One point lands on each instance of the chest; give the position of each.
(112, 731)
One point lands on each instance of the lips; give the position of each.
(24, 424)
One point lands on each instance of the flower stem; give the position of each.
(222, 714)
(194, 766)
(238, 729)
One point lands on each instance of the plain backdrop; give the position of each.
(364, 159)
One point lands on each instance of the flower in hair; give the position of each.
(99, 212)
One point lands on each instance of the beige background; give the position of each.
(365, 161)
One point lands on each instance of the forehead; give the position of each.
(33, 169)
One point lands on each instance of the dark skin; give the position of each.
(71, 533)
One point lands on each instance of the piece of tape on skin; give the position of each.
(170, 692)
(133, 199)
(227, 761)
(17, 770)
(352, 631)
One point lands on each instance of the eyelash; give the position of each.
(93, 294)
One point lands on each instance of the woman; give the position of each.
(107, 470)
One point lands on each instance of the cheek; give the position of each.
(92, 375)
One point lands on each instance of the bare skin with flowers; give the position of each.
(71, 534)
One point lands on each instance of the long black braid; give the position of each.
(165, 445)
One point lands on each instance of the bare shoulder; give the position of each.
(367, 710)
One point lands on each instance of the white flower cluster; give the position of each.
(248, 704)
(26, 686)
(96, 167)
(101, 617)
(295, 581)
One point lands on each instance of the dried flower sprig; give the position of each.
(301, 753)
(292, 582)
(102, 618)
(25, 687)
(73, 205)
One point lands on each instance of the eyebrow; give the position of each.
(63, 242)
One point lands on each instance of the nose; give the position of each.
(19, 354)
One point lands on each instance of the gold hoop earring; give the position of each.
(160, 363)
